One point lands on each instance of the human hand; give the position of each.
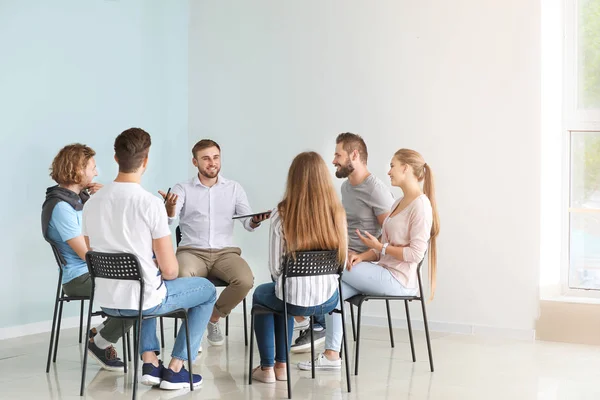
(94, 187)
(369, 240)
(170, 202)
(257, 219)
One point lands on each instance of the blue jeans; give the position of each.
(269, 325)
(196, 295)
(363, 278)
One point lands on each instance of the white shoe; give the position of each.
(321, 363)
(200, 349)
(301, 326)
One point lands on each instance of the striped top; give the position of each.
(304, 291)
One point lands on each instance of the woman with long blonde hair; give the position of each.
(389, 267)
(310, 217)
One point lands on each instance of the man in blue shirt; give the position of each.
(73, 169)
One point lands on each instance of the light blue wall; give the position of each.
(80, 71)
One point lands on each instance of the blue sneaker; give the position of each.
(172, 380)
(151, 375)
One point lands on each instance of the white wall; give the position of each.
(458, 81)
(79, 71)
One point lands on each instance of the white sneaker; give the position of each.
(321, 363)
(301, 326)
(215, 337)
(200, 349)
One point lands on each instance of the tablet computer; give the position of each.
(251, 215)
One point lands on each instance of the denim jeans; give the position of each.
(269, 325)
(363, 278)
(196, 295)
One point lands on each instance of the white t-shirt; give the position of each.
(124, 218)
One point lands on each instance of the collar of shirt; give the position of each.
(220, 181)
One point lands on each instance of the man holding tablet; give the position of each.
(206, 206)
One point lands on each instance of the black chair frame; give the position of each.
(358, 301)
(59, 301)
(126, 266)
(305, 263)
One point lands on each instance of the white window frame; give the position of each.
(574, 120)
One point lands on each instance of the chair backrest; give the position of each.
(119, 266)
(60, 260)
(312, 263)
(116, 266)
(178, 235)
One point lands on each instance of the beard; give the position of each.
(344, 171)
(209, 173)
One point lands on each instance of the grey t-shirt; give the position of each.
(363, 203)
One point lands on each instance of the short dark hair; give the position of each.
(351, 142)
(70, 162)
(204, 144)
(131, 149)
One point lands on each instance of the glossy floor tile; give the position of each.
(467, 367)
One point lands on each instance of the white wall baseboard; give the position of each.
(450, 327)
(434, 326)
(42, 327)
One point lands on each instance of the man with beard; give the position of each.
(367, 201)
(205, 206)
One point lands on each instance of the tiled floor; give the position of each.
(467, 367)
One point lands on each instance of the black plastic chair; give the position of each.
(358, 301)
(218, 283)
(125, 266)
(306, 263)
(60, 299)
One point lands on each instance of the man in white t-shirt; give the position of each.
(123, 217)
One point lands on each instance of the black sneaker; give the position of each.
(302, 344)
(107, 358)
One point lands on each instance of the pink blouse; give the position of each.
(412, 227)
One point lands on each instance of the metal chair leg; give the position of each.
(85, 352)
(175, 328)
(189, 353)
(128, 346)
(287, 351)
(345, 344)
(60, 308)
(353, 325)
(389, 315)
(227, 325)
(53, 329)
(245, 324)
(312, 347)
(123, 338)
(427, 334)
(162, 334)
(357, 355)
(136, 360)
(81, 321)
(410, 333)
(251, 347)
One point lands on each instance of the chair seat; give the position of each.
(359, 298)
(179, 313)
(218, 282)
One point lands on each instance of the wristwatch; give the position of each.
(385, 245)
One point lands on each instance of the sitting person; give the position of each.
(310, 217)
(389, 266)
(205, 205)
(123, 217)
(73, 169)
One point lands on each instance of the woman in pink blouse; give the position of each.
(389, 267)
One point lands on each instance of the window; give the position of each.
(582, 143)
